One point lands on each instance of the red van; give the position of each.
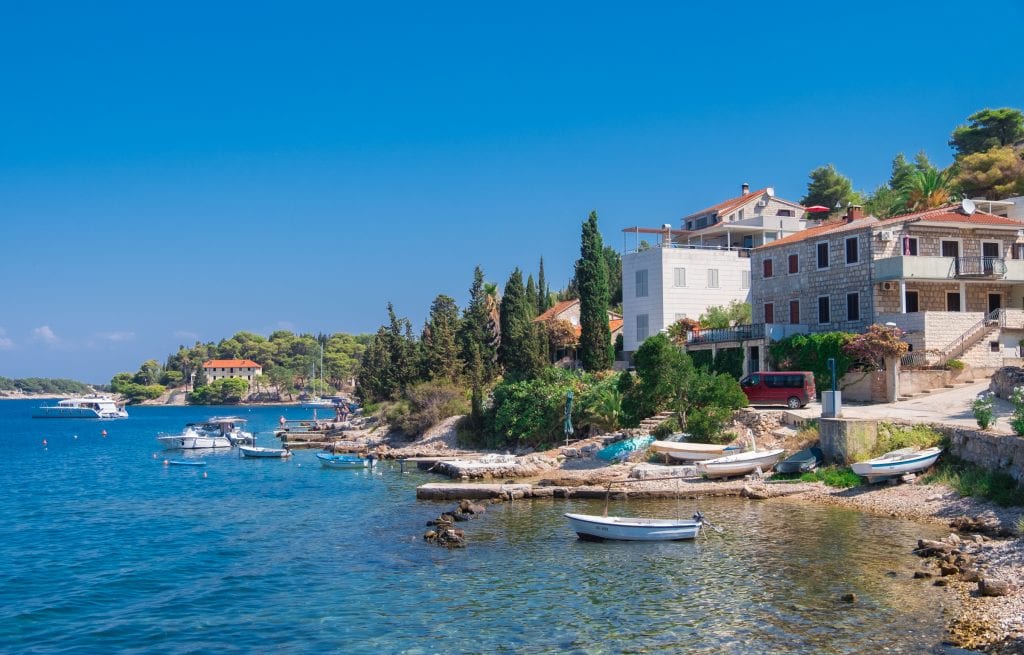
(790, 388)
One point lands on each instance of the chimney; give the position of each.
(666, 235)
(853, 212)
(745, 187)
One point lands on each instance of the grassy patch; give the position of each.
(972, 480)
(893, 437)
(833, 476)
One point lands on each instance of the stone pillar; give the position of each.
(903, 296)
(844, 440)
(892, 379)
(963, 296)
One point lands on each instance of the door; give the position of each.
(794, 312)
(989, 253)
(953, 301)
(995, 301)
(912, 301)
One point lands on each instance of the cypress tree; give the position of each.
(440, 347)
(543, 292)
(478, 330)
(531, 293)
(595, 351)
(517, 350)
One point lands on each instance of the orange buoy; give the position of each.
(166, 463)
(104, 433)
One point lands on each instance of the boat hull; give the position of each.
(801, 462)
(266, 453)
(77, 412)
(342, 461)
(617, 528)
(887, 467)
(193, 442)
(741, 464)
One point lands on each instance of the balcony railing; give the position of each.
(720, 335)
(980, 267)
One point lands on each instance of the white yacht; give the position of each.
(215, 432)
(93, 406)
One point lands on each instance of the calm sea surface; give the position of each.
(103, 549)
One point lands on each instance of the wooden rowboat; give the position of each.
(897, 462)
(619, 528)
(692, 452)
(342, 461)
(740, 464)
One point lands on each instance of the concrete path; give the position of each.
(950, 406)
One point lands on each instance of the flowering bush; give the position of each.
(871, 348)
(982, 410)
(1017, 420)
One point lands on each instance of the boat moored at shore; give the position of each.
(215, 432)
(897, 462)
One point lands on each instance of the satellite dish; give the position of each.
(968, 206)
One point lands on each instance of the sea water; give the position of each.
(104, 549)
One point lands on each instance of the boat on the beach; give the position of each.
(261, 451)
(740, 464)
(335, 461)
(92, 406)
(803, 461)
(620, 528)
(690, 452)
(897, 462)
(621, 450)
(215, 432)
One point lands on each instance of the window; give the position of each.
(852, 247)
(853, 306)
(769, 312)
(794, 264)
(1017, 250)
(911, 301)
(642, 330)
(712, 278)
(910, 246)
(823, 255)
(785, 212)
(702, 222)
(950, 248)
(767, 268)
(824, 315)
(741, 215)
(689, 225)
(680, 275)
(641, 283)
(744, 279)
(952, 301)
(993, 346)
(794, 312)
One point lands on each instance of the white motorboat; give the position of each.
(92, 406)
(690, 452)
(260, 451)
(740, 464)
(215, 432)
(619, 528)
(897, 462)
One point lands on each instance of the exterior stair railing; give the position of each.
(958, 346)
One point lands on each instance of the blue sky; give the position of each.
(182, 171)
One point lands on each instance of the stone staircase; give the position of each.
(649, 424)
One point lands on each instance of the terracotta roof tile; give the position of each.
(555, 311)
(729, 205)
(230, 363)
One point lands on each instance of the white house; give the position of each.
(246, 369)
(681, 273)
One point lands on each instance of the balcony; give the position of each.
(948, 268)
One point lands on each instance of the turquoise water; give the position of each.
(105, 549)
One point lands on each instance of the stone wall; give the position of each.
(1005, 380)
(847, 440)
(858, 386)
(995, 452)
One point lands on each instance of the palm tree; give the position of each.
(927, 189)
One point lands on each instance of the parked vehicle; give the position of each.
(793, 389)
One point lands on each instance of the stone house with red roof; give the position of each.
(951, 278)
(569, 310)
(218, 369)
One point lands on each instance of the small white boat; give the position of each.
(897, 462)
(740, 464)
(342, 461)
(92, 406)
(260, 451)
(215, 432)
(690, 452)
(620, 528)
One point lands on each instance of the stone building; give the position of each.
(218, 369)
(679, 273)
(948, 277)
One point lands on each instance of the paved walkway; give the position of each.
(950, 406)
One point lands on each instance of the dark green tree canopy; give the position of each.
(518, 348)
(987, 129)
(440, 345)
(829, 188)
(595, 350)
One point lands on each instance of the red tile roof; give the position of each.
(947, 214)
(231, 363)
(732, 204)
(555, 311)
(615, 324)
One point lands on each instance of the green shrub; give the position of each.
(894, 437)
(955, 365)
(972, 480)
(666, 428)
(1017, 420)
(811, 352)
(833, 476)
(426, 404)
(981, 407)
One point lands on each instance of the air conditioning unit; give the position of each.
(885, 235)
(763, 202)
(888, 286)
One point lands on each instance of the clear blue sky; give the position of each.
(189, 170)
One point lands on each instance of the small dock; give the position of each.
(515, 491)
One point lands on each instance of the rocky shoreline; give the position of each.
(985, 533)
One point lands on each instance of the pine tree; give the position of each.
(439, 342)
(517, 351)
(595, 351)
